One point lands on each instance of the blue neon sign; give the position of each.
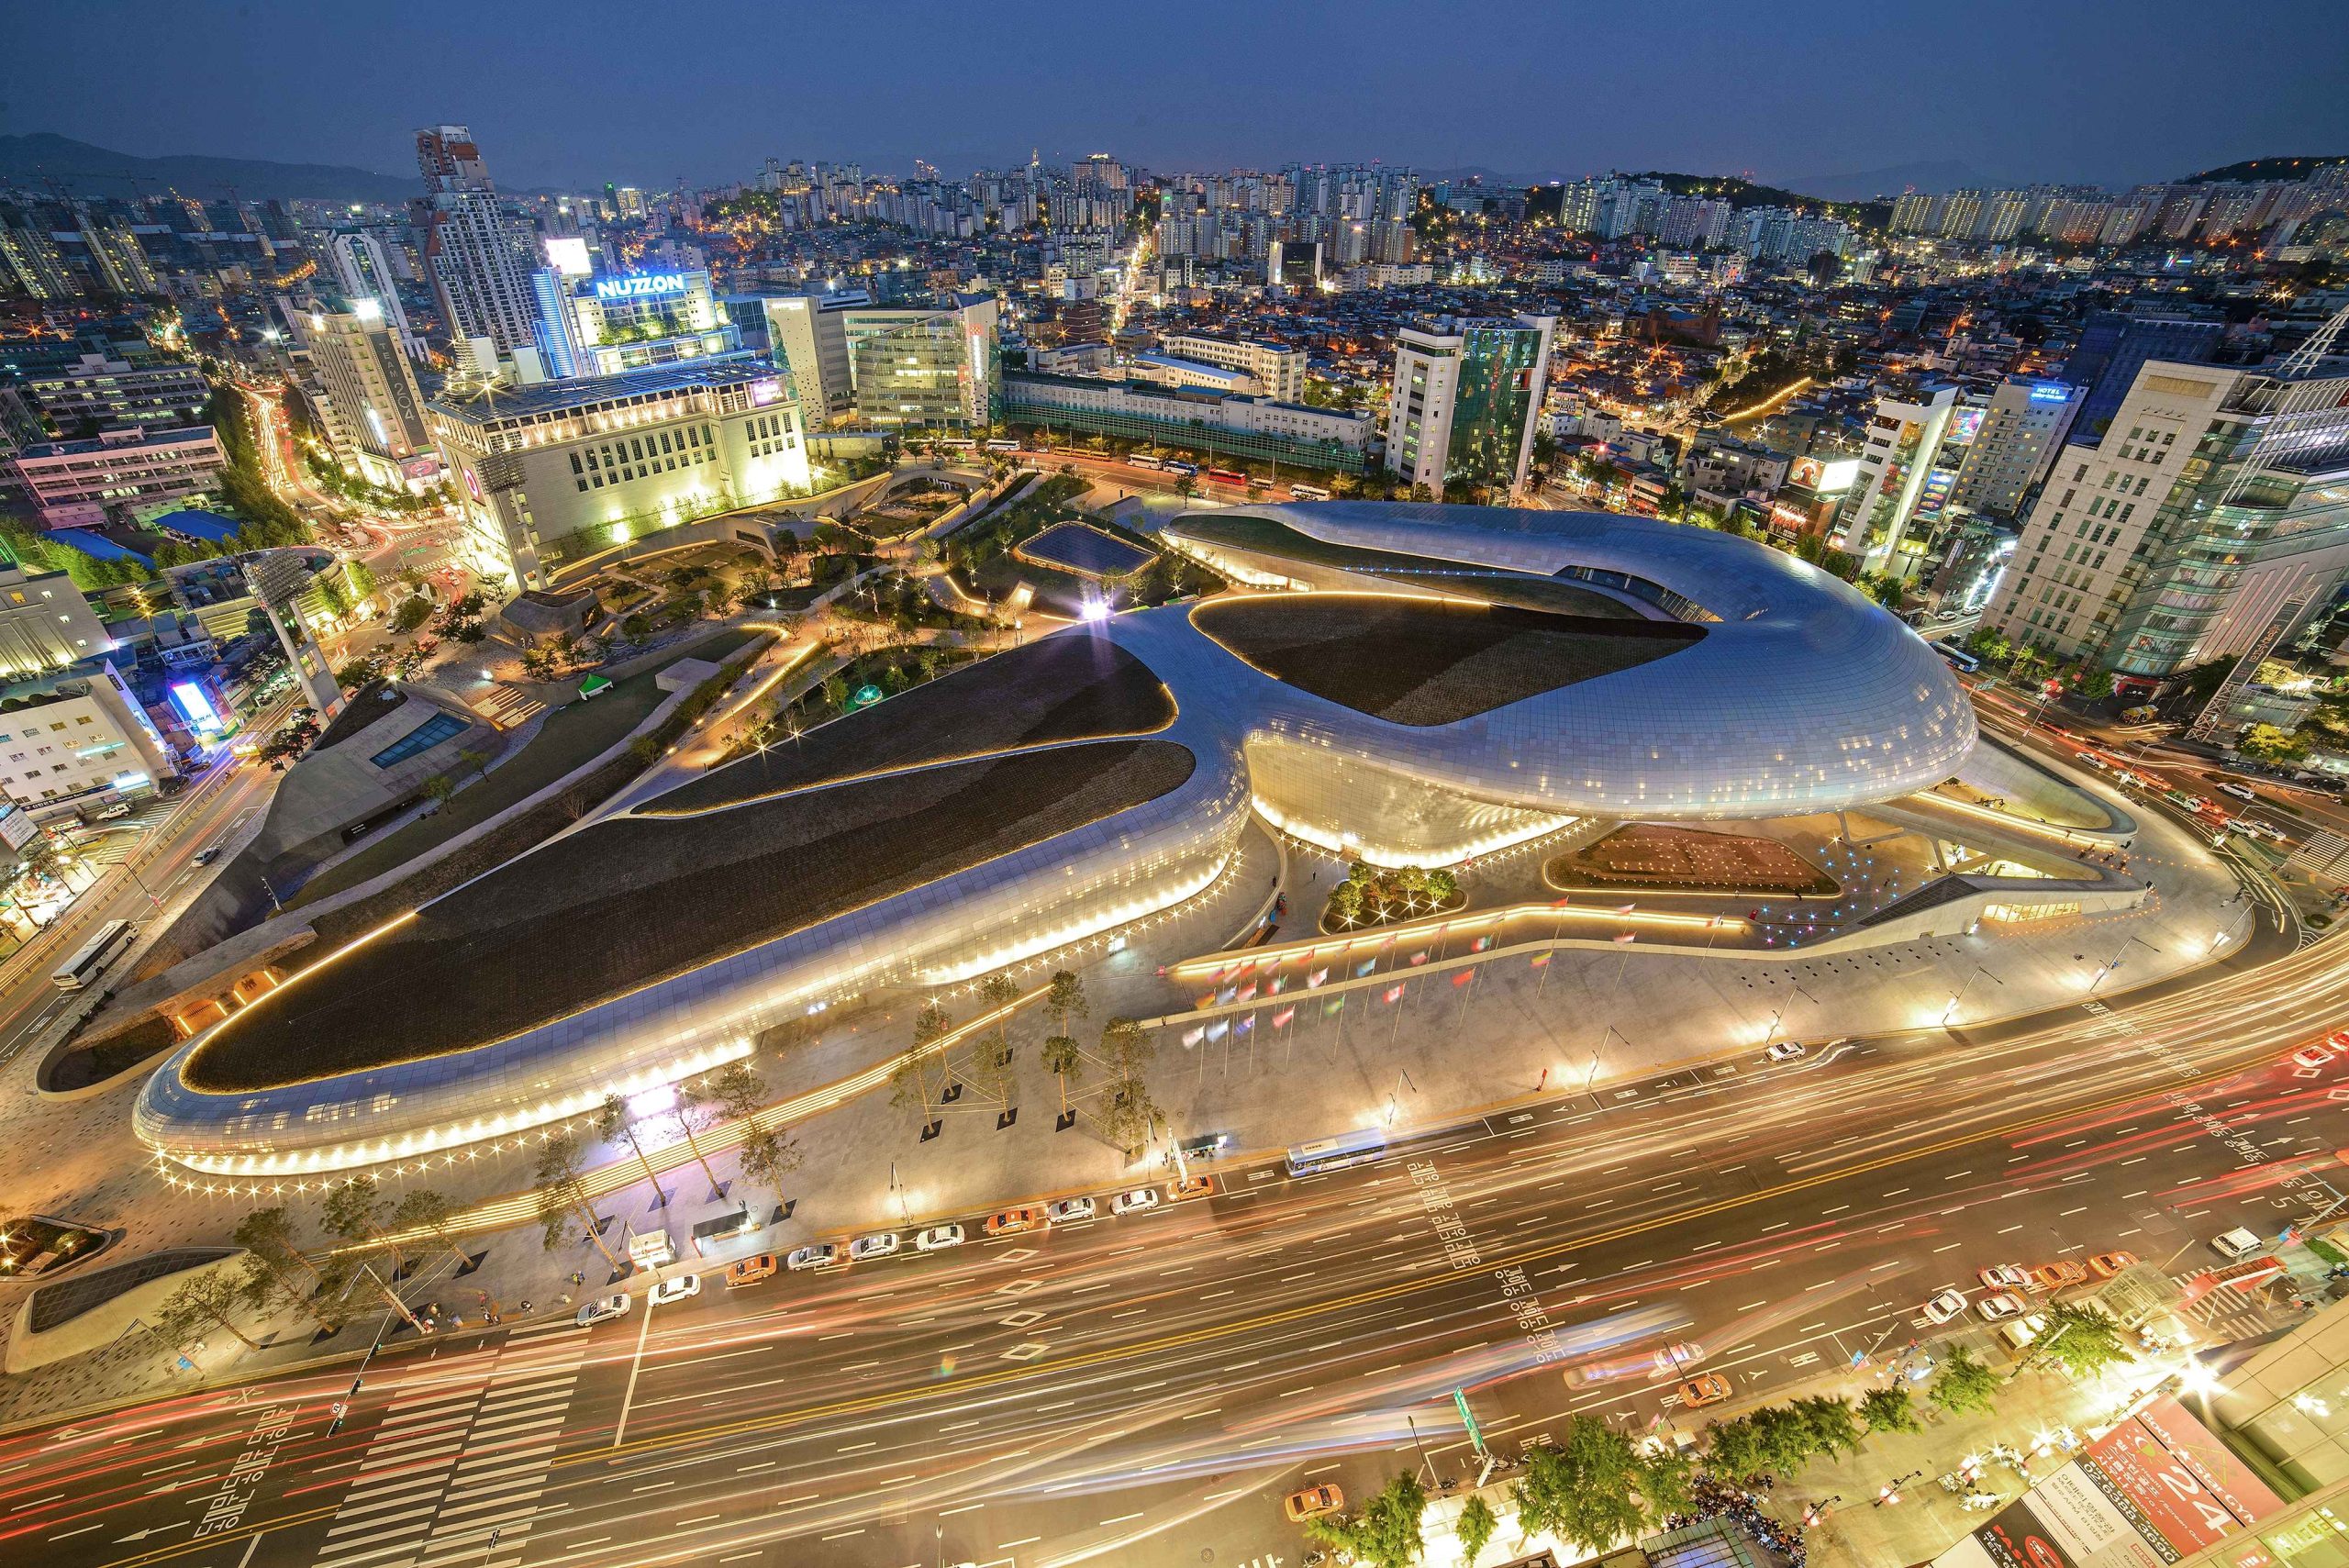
(642, 285)
(2051, 391)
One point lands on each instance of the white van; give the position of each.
(2236, 1244)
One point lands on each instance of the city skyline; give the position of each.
(2005, 94)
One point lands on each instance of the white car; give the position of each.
(2006, 1304)
(2236, 1243)
(879, 1246)
(1949, 1304)
(603, 1307)
(937, 1238)
(2313, 1056)
(1137, 1200)
(676, 1287)
(1785, 1051)
(816, 1255)
(2241, 792)
(1064, 1210)
(2005, 1276)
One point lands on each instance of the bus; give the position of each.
(1143, 460)
(955, 444)
(1002, 444)
(1336, 1153)
(1959, 658)
(106, 944)
(1182, 470)
(1308, 493)
(1227, 476)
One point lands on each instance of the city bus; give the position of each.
(1143, 460)
(1182, 470)
(106, 944)
(1959, 658)
(1227, 476)
(1308, 493)
(1358, 1147)
(1000, 444)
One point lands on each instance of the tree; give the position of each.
(441, 787)
(2081, 1338)
(1064, 1059)
(2266, 743)
(613, 1121)
(1386, 1531)
(1065, 999)
(1828, 1425)
(1964, 1384)
(1733, 1448)
(354, 1211)
(275, 1270)
(563, 1203)
(1667, 1482)
(1889, 1410)
(1586, 1489)
(200, 1303)
(429, 1212)
(909, 1084)
(1782, 1439)
(1474, 1528)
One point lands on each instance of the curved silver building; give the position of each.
(1459, 679)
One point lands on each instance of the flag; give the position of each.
(1332, 1005)
(1625, 908)
(1316, 978)
(1420, 957)
(1392, 994)
(1465, 976)
(1480, 944)
(1218, 1029)
(1540, 959)
(1280, 1018)
(1247, 992)
(1207, 1000)
(1627, 939)
(1244, 969)
(1272, 987)
(1193, 1037)
(1365, 966)
(1227, 994)
(1560, 903)
(1245, 1024)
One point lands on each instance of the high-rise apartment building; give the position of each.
(374, 409)
(1904, 479)
(363, 266)
(480, 259)
(1466, 398)
(929, 367)
(2218, 496)
(2020, 433)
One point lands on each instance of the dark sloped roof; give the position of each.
(632, 901)
(1427, 662)
(1071, 687)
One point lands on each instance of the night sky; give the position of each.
(647, 93)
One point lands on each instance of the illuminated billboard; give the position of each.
(567, 254)
(1965, 424)
(766, 390)
(1826, 476)
(640, 285)
(2050, 391)
(195, 710)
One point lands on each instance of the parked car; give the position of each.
(880, 1245)
(2061, 1274)
(937, 1238)
(1699, 1392)
(2236, 1243)
(749, 1271)
(2104, 1265)
(1068, 1209)
(1012, 1221)
(676, 1287)
(1135, 1200)
(1949, 1304)
(1785, 1051)
(1313, 1503)
(815, 1255)
(604, 1306)
(2005, 1304)
(2005, 1276)
(207, 855)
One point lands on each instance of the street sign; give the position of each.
(1468, 1418)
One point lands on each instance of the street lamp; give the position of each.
(2115, 961)
(1978, 971)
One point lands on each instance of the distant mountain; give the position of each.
(1931, 178)
(2255, 168)
(42, 161)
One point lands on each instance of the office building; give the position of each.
(931, 368)
(45, 623)
(2020, 433)
(78, 483)
(570, 467)
(2218, 496)
(1466, 398)
(1901, 479)
(479, 258)
(374, 408)
(74, 733)
(101, 394)
(590, 325)
(363, 266)
(1277, 370)
(807, 335)
(1213, 424)
(2114, 345)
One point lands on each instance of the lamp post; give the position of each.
(1979, 970)
(2115, 961)
(1772, 1030)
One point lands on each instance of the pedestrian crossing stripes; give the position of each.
(454, 1473)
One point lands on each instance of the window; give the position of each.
(423, 738)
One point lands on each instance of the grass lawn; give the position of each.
(571, 736)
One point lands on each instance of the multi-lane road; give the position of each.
(1147, 1388)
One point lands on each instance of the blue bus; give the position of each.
(1959, 658)
(1337, 1153)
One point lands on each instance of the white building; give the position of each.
(75, 733)
(807, 335)
(364, 269)
(479, 258)
(75, 483)
(45, 623)
(374, 409)
(2021, 431)
(1897, 484)
(1278, 371)
(925, 366)
(1465, 400)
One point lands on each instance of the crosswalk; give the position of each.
(461, 1459)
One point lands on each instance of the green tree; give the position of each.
(275, 1270)
(199, 1303)
(2266, 743)
(1064, 1059)
(1733, 1448)
(1889, 1410)
(1587, 1488)
(1667, 1482)
(909, 1083)
(1828, 1425)
(1964, 1383)
(354, 1211)
(1475, 1529)
(1782, 1439)
(563, 1209)
(430, 1213)
(1385, 1532)
(2081, 1337)
(613, 1122)
(1065, 999)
